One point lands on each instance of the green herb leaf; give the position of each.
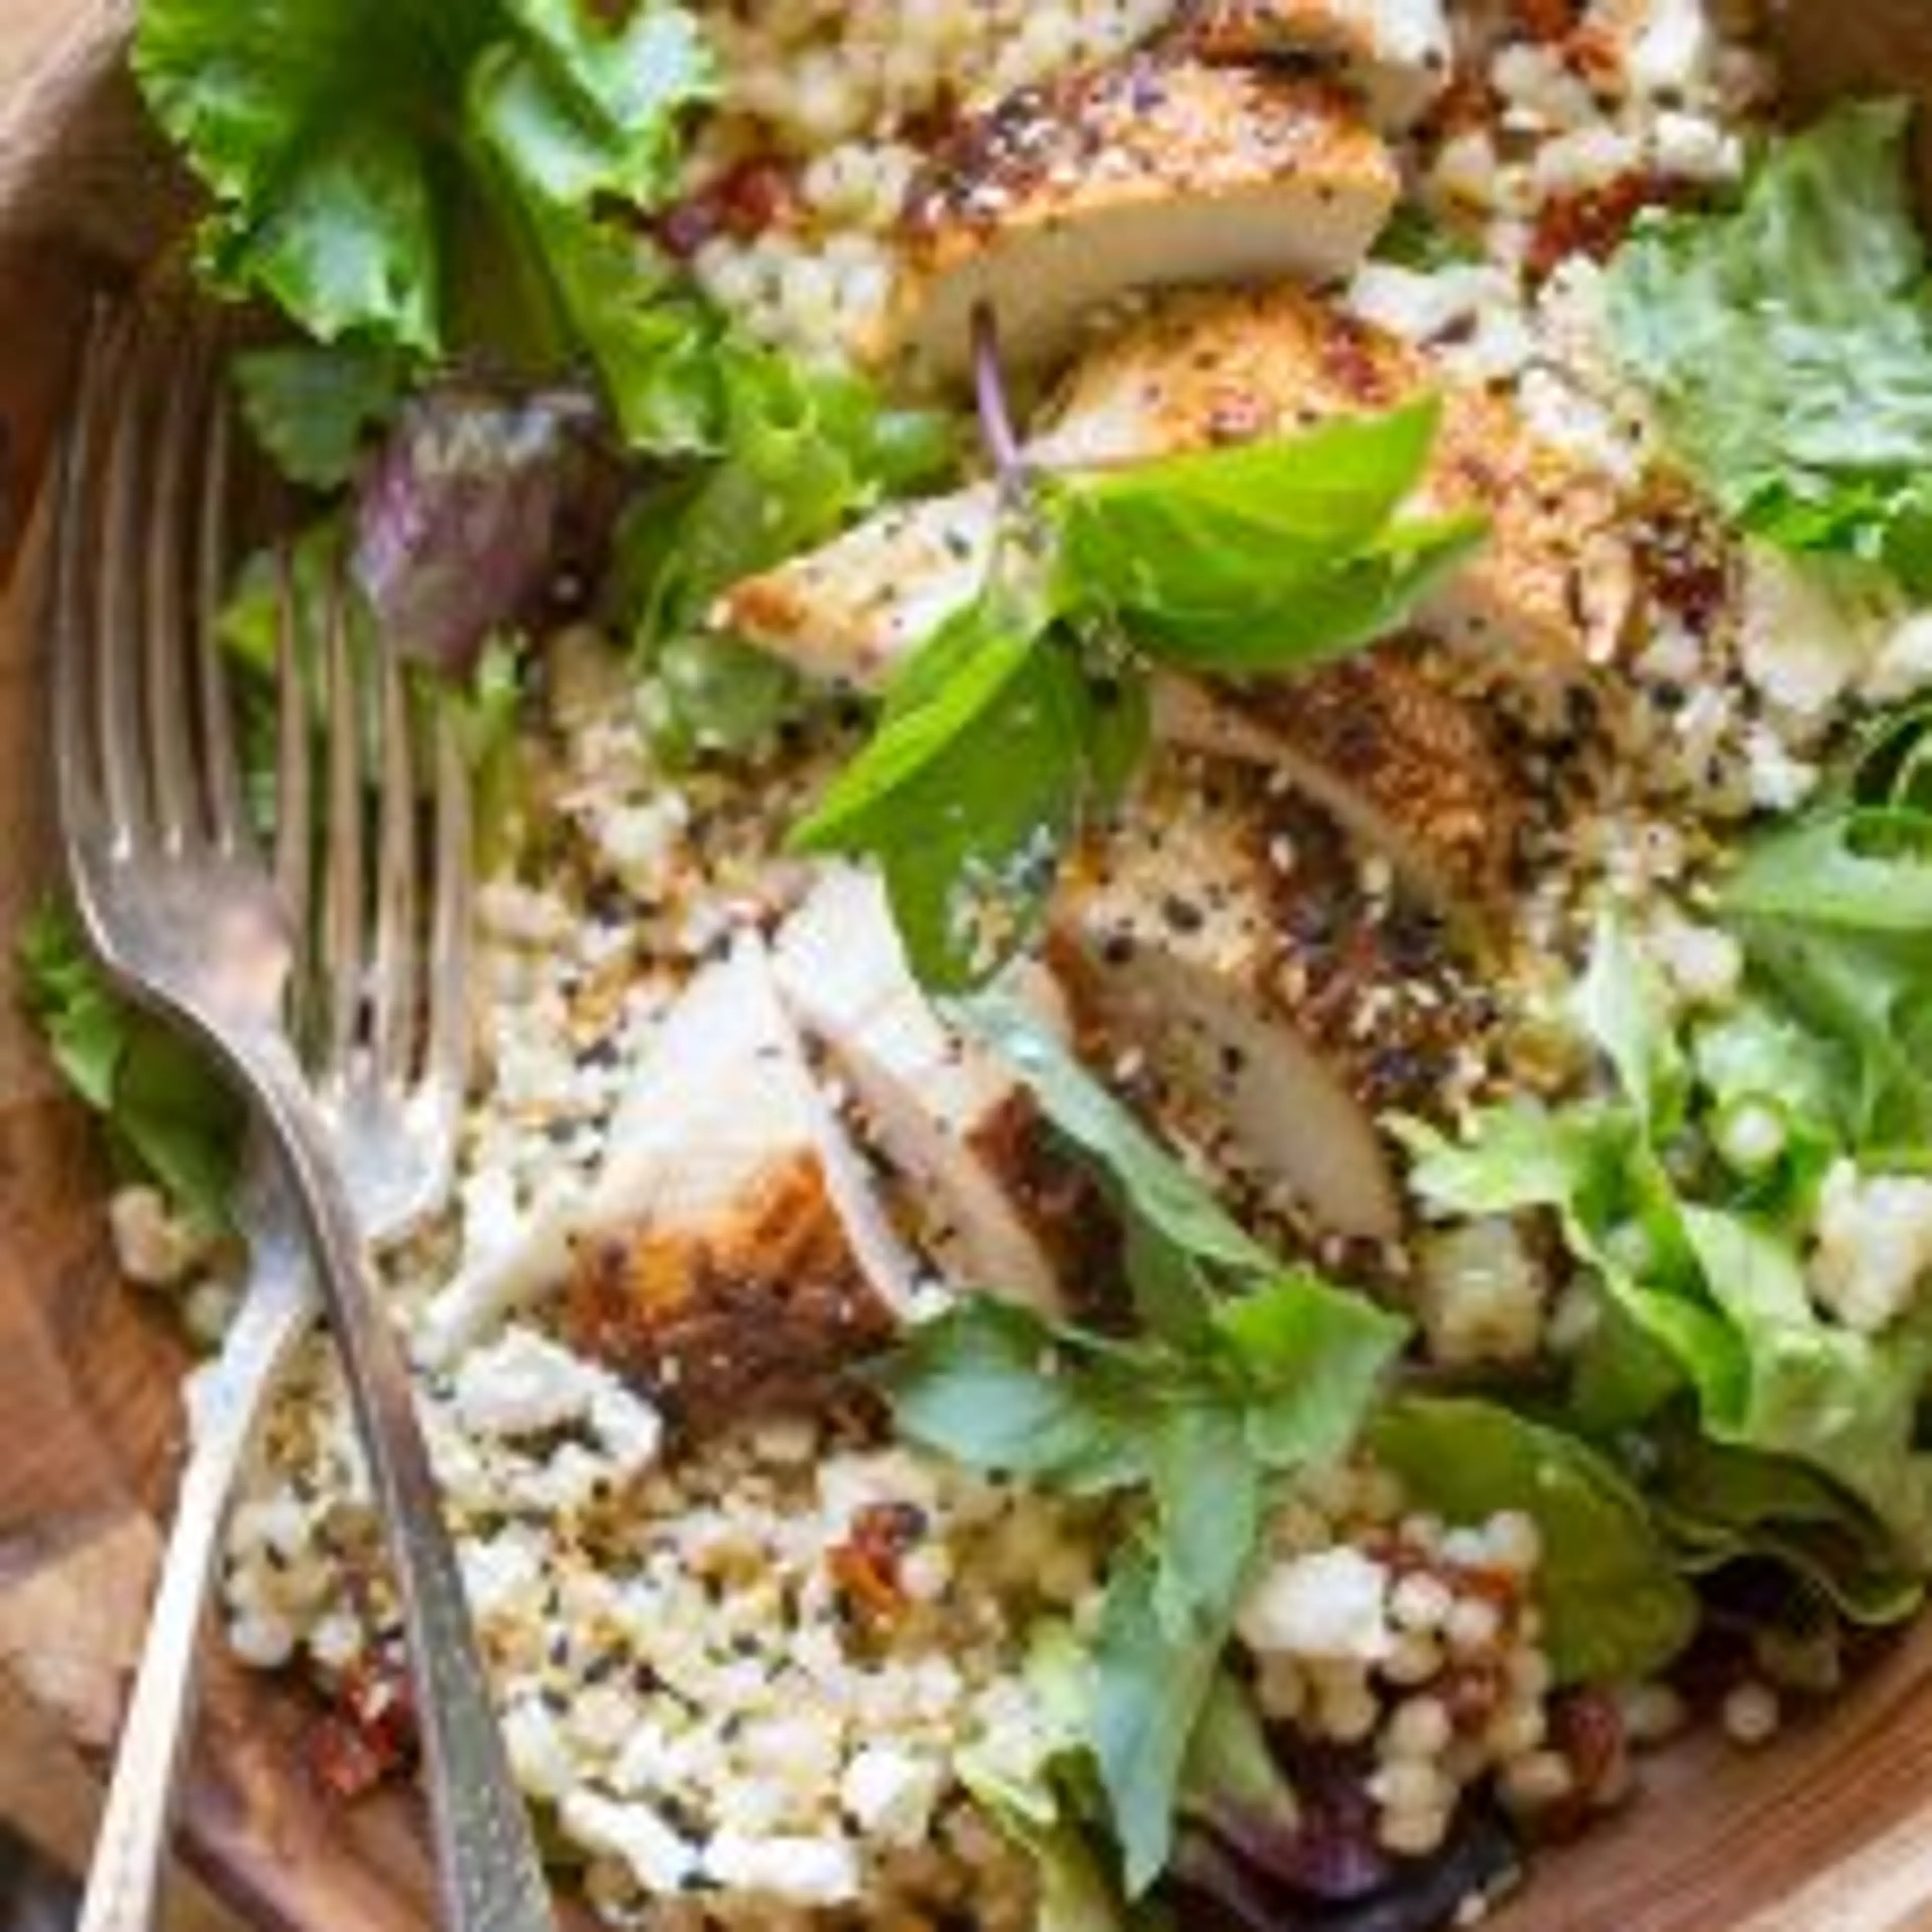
(168, 1116)
(993, 1387)
(1749, 328)
(1615, 1611)
(1264, 557)
(312, 409)
(991, 749)
(1150, 1686)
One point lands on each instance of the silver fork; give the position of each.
(183, 911)
(396, 1111)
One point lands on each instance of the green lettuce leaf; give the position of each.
(801, 455)
(1749, 327)
(426, 178)
(1720, 1506)
(168, 1117)
(1615, 1611)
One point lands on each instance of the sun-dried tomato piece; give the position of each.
(1595, 221)
(866, 1565)
(369, 1736)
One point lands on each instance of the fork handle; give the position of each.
(491, 1879)
(126, 1877)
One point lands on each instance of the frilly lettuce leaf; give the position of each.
(1749, 328)
(425, 178)
(168, 1117)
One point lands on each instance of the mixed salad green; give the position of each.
(451, 207)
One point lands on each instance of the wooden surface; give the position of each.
(1831, 1830)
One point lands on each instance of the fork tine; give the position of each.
(446, 1067)
(119, 628)
(74, 626)
(227, 799)
(394, 989)
(295, 831)
(167, 686)
(342, 948)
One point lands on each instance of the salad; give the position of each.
(1201, 1171)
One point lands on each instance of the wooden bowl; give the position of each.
(1830, 1830)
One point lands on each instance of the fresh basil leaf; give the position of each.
(1210, 1496)
(313, 409)
(1150, 1688)
(994, 1387)
(1265, 556)
(1157, 1192)
(1296, 623)
(168, 1116)
(1311, 1359)
(966, 798)
(1614, 1609)
(1749, 327)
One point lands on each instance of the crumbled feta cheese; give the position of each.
(1704, 964)
(1904, 666)
(890, 1794)
(801, 1870)
(1811, 629)
(539, 1758)
(1671, 55)
(1332, 1603)
(1873, 1248)
(503, 1575)
(155, 1246)
(523, 1384)
(1480, 1295)
(662, 1861)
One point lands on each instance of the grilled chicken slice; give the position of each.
(1403, 762)
(1397, 52)
(1155, 171)
(1004, 1208)
(1548, 593)
(731, 1255)
(1408, 768)
(1225, 936)
(852, 611)
(1551, 589)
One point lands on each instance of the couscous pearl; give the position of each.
(1421, 1602)
(1421, 1728)
(1472, 1625)
(1535, 1782)
(1752, 1714)
(1653, 1713)
(1412, 1834)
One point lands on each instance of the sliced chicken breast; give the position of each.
(1397, 52)
(1156, 171)
(732, 1254)
(1225, 936)
(851, 612)
(1549, 592)
(966, 1135)
(1409, 768)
